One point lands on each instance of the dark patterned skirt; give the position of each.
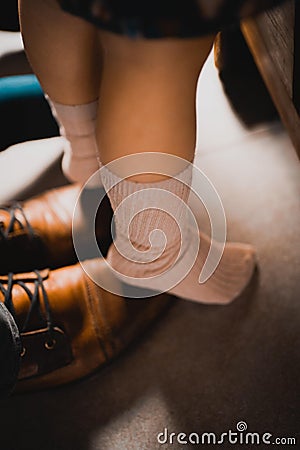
(165, 18)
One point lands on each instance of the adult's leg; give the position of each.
(148, 93)
(65, 55)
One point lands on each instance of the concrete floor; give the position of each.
(200, 368)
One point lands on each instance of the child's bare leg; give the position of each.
(65, 55)
(148, 93)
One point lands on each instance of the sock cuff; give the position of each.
(77, 120)
(179, 185)
(143, 208)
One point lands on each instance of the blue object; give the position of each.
(19, 87)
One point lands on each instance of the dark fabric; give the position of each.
(10, 350)
(165, 18)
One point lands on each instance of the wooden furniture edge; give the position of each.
(275, 86)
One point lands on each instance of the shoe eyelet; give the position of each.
(50, 345)
(23, 352)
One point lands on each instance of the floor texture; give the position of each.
(200, 368)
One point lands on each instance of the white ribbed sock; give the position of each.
(150, 259)
(78, 124)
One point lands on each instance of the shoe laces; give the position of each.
(37, 295)
(14, 210)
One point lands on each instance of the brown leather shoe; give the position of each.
(38, 232)
(69, 326)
